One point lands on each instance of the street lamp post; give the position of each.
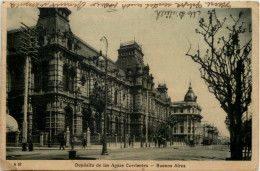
(104, 149)
(125, 132)
(146, 119)
(24, 146)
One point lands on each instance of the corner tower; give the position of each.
(130, 56)
(53, 20)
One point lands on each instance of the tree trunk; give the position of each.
(236, 143)
(236, 146)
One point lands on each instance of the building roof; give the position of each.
(190, 96)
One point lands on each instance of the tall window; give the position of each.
(182, 129)
(68, 78)
(69, 44)
(115, 97)
(45, 75)
(65, 78)
(117, 126)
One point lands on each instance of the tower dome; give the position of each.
(190, 96)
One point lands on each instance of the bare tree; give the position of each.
(226, 69)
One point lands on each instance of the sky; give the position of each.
(164, 43)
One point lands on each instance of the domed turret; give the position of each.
(190, 96)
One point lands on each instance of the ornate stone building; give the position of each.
(62, 74)
(187, 117)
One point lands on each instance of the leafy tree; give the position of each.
(97, 98)
(164, 130)
(152, 131)
(172, 122)
(226, 69)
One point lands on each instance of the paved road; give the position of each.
(216, 152)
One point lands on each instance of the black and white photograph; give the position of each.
(130, 81)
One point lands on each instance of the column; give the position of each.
(46, 137)
(88, 137)
(67, 137)
(94, 125)
(17, 138)
(122, 128)
(78, 121)
(116, 139)
(113, 126)
(41, 139)
(133, 144)
(30, 120)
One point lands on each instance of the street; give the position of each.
(213, 152)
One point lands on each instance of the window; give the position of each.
(115, 97)
(45, 75)
(68, 78)
(182, 128)
(181, 110)
(69, 44)
(65, 78)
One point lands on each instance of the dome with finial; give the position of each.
(190, 96)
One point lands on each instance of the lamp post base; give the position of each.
(104, 153)
(104, 150)
(24, 147)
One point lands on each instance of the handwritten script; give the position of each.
(169, 13)
(123, 5)
(49, 4)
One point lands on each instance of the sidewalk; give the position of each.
(136, 153)
(110, 146)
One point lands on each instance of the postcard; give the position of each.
(129, 85)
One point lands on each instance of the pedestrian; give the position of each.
(84, 143)
(130, 141)
(30, 145)
(62, 144)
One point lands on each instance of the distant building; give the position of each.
(210, 134)
(187, 119)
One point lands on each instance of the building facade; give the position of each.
(61, 72)
(58, 73)
(187, 119)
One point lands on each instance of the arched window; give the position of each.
(115, 96)
(117, 126)
(68, 78)
(71, 79)
(69, 44)
(65, 78)
(45, 75)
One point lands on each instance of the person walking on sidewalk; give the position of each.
(130, 142)
(30, 145)
(84, 143)
(62, 143)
